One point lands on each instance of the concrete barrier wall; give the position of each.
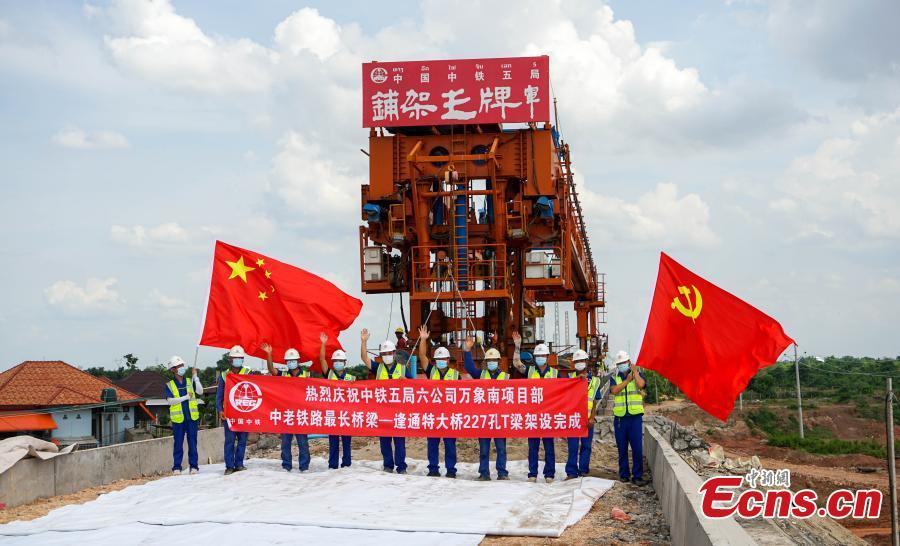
(678, 489)
(31, 479)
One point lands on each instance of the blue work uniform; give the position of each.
(302, 439)
(629, 432)
(434, 444)
(188, 428)
(396, 457)
(484, 444)
(335, 442)
(235, 442)
(534, 444)
(578, 462)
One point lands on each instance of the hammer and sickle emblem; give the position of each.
(693, 309)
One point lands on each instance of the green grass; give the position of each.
(828, 446)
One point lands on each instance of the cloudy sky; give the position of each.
(756, 142)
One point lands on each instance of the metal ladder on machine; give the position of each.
(579, 215)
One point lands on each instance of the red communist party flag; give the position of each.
(705, 340)
(254, 299)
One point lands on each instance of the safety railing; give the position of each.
(470, 272)
(544, 267)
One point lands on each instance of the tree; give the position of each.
(130, 362)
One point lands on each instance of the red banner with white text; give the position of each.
(516, 408)
(451, 92)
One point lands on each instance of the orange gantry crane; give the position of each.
(480, 226)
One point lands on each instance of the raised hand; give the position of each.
(364, 334)
(517, 339)
(266, 348)
(469, 343)
(423, 332)
(323, 337)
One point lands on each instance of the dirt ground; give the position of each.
(822, 473)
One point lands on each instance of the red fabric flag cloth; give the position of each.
(705, 340)
(254, 299)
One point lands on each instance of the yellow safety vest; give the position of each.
(450, 374)
(244, 371)
(303, 373)
(533, 373)
(485, 374)
(333, 375)
(593, 386)
(398, 373)
(175, 413)
(629, 399)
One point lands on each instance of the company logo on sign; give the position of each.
(379, 75)
(245, 396)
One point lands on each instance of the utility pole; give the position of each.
(566, 316)
(799, 399)
(741, 398)
(892, 470)
(556, 326)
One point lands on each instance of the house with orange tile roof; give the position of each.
(56, 401)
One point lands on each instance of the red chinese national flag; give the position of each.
(706, 341)
(254, 299)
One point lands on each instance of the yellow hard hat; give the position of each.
(398, 330)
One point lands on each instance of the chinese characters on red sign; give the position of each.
(464, 409)
(510, 90)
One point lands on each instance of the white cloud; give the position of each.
(78, 139)
(659, 218)
(160, 45)
(157, 299)
(311, 183)
(96, 296)
(306, 30)
(166, 234)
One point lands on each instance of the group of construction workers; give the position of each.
(626, 383)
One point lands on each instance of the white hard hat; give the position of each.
(441, 352)
(175, 362)
(339, 355)
(579, 355)
(492, 354)
(387, 346)
(237, 352)
(291, 354)
(621, 357)
(541, 350)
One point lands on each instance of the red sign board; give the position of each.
(509, 90)
(477, 408)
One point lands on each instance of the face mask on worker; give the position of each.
(540, 360)
(237, 362)
(338, 365)
(441, 364)
(581, 365)
(181, 370)
(388, 358)
(492, 365)
(623, 367)
(292, 364)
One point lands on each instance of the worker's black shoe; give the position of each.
(485, 478)
(571, 478)
(240, 468)
(451, 475)
(624, 480)
(389, 470)
(640, 482)
(434, 474)
(401, 472)
(504, 477)
(229, 471)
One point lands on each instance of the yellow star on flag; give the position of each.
(268, 274)
(263, 296)
(260, 262)
(238, 269)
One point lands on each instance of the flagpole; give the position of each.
(892, 470)
(799, 398)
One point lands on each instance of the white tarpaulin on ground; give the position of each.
(266, 504)
(14, 449)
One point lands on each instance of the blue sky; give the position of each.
(756, 142)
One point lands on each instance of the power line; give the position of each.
(842, 372)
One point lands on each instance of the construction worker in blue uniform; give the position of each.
(628, 411)
(491, 371)
(540, 370)
(338, 372)
(235, 442)
(292, 359)
(184, 413)
(387, 369)
(439, 371)
(579, 460)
